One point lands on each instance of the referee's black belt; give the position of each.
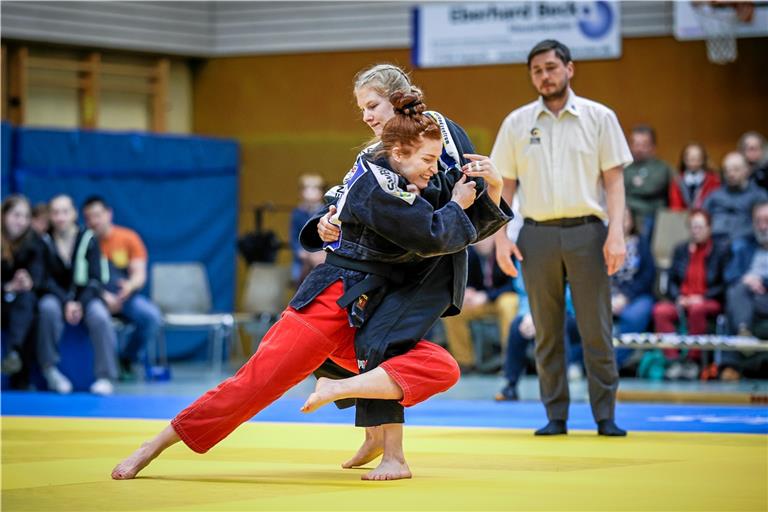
(379, 274)
(565, 222)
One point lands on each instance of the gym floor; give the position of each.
(466, 452)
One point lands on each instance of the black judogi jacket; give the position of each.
(83, 278)
(416, 243)
(382, 222)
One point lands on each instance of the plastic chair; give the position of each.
(670, 229)
(489, 356)
(182, 293)
(264, 298)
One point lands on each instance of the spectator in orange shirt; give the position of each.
(127, 258)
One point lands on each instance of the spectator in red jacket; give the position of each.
(695, 182)
(695, 293)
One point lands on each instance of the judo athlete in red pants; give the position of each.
(435, 287)
(408, 312)
(295, 346)
(316, 327)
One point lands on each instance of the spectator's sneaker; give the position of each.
(690, 370)
(709, 372)
(102, 387)
(57, 381)
(126, 371)
(507, 394)
(674, 372)
(11, 363)
(575, 372)
(652, 366)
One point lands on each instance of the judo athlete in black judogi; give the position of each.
(418, 289)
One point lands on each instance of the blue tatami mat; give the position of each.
(442, 412)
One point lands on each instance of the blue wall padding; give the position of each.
(6, 154)
(179, 193)
(113, 154)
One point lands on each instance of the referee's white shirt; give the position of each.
(559, 160)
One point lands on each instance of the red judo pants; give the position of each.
(290, 351)
(665, 318)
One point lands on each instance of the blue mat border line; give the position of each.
(441, 412)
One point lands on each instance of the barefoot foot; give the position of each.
(138, 460)
(372, 447)
(326, 391)
(389, 469)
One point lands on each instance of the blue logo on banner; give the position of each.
(596, 19)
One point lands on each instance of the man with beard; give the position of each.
(646, 180)
(565, 156)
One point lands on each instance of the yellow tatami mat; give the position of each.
(52, 464)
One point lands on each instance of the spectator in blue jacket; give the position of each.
(747, 300)
(747, 275)
(632, 287)
(730, 206)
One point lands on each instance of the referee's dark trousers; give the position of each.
(555, 252)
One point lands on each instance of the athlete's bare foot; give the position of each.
(389, 469)
(326, 391)
(146, 453)
(138, 460)
(372, 447)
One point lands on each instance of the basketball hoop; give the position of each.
(719, 21)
